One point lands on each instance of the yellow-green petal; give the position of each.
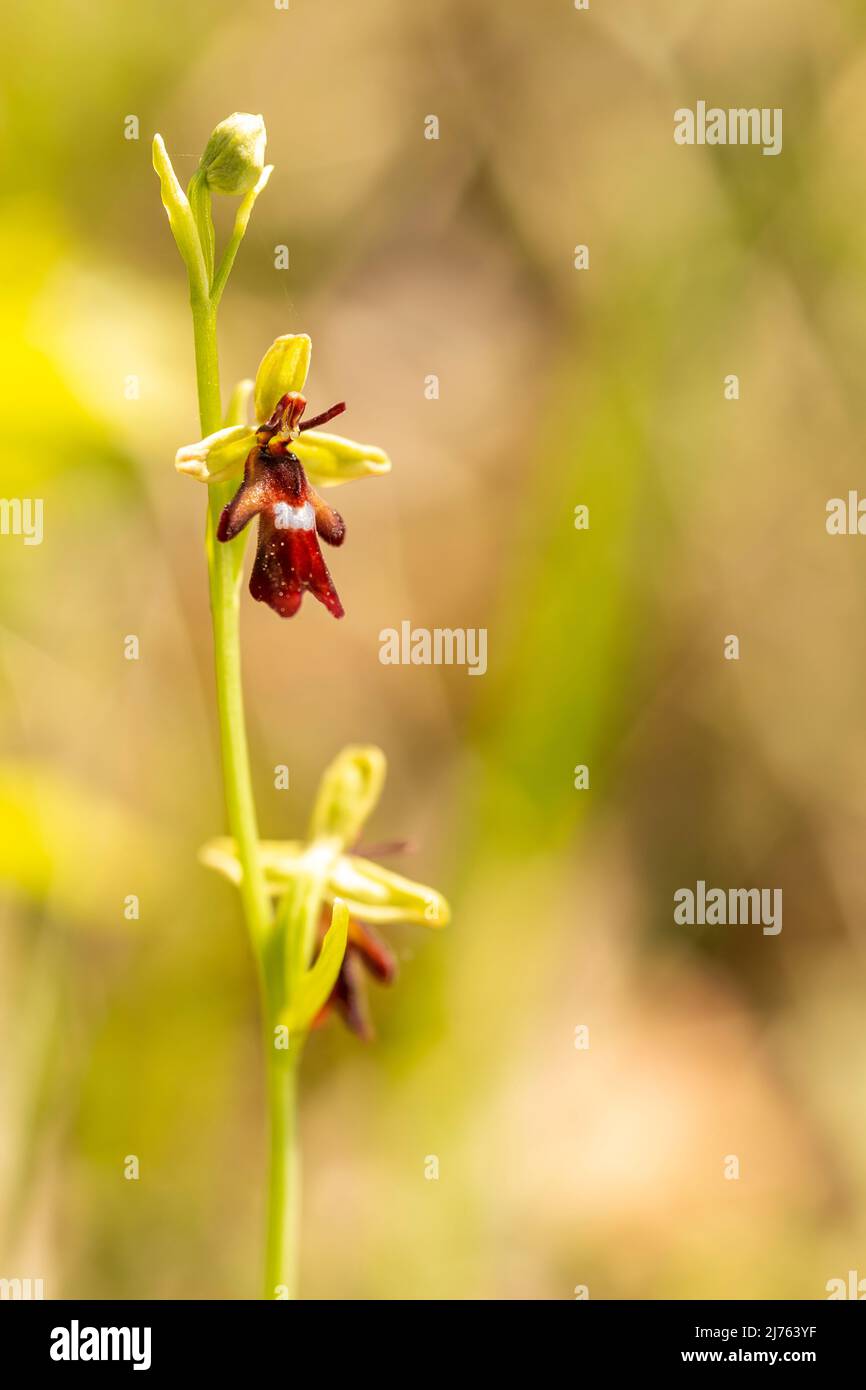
(348, 791)
(221, 856)
(281, 861)
(283, 368)
(238, 410)
(379, 896)
(217, 457)
(329, 459)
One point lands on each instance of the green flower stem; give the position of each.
(224, 575)
(224, 570)
(206, 361)
(199, 198)
(225, 563)
(284, 1173)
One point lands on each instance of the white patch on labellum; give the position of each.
(288, 518)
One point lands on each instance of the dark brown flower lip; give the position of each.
(291, 516)
(289, 563)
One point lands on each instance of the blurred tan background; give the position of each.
(558, 1167)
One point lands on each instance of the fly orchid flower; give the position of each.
(282, 467)
(348, 792)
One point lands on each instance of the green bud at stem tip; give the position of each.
(234, 157)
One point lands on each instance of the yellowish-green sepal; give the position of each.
(379, 896)
(283, 368)
(348, 792)
(329, 459)
(218, 457)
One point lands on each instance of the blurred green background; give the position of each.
(558, 1167)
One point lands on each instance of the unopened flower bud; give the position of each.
(234, 156)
